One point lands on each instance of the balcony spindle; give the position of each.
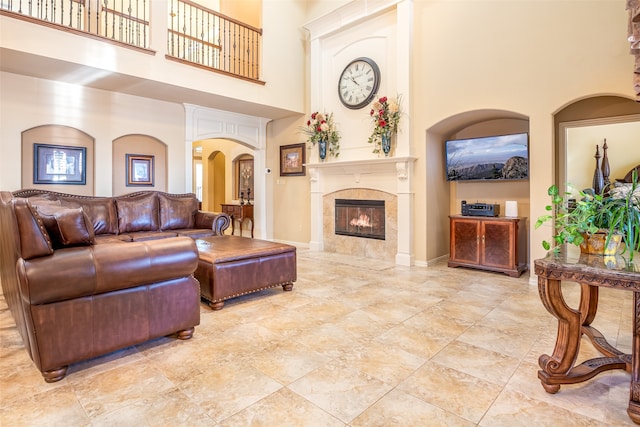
(196, 35)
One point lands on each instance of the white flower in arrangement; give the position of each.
(393, 107)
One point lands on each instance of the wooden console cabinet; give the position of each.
(489, 243)
(239, 213)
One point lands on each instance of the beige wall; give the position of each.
(474, 61)
(57, 135)
(623, 152)
(142, 145)
(247, 11)
(528, 58)
(291, 194)
(28, 102)
(474, 55)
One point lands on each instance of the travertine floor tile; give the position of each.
(282, 408)
(358, 342)
(401, 409)
(341, 390)
(464, 395)
(479, 362)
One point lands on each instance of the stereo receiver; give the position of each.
(480, 209)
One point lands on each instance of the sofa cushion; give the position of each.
(143, 236)
(196, 233)
(66, 226)
(137, 213)
(34, 238)
(177, 212)
(101, 212)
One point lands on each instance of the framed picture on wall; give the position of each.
(59, 164)
(140, 170)
(292, 160)
(245, 178)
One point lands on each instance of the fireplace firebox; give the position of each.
(360, 218)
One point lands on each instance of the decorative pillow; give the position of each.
(137, 213)
(177, 212)
(101, 212)
(621, 190)
(34, 238)
(66, 226)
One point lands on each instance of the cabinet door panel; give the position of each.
(465, 235)
(498, 244)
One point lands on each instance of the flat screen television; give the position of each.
(489, 158)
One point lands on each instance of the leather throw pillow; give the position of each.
(67, 226)
(177, 212)
(137, 213)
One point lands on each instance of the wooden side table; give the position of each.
(591, 272)
(239, 213)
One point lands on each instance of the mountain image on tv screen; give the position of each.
(501, 157)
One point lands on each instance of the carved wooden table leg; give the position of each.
(568, 340)
(559, 368)
(592, 272)
(634, 400)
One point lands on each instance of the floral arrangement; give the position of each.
(385, 115)
(321, 126)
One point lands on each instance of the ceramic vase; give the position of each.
(595, 244)
(322, 149)
(386, 143)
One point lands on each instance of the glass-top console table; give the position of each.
(591, 272)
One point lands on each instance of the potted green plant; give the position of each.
(594, 222)
(623, 215)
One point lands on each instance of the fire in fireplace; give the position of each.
(360, 218)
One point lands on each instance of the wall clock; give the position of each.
(358, 83)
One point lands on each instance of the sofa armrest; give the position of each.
(218, 222)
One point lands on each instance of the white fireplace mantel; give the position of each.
(381, 30)
(390, 174)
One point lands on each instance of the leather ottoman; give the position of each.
(230, 266)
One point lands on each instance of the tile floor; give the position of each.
(357, 343)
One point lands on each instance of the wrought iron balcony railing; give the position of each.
(209, 39)
(196, 35)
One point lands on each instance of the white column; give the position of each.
(317, 227)
(404, 37)
(405, 255)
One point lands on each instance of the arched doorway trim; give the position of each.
(204, 123)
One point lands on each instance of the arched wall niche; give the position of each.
(60, 135)
(140, 145)
(443, 198)
(588, 111)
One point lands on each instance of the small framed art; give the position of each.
(292, 160)
(140, 170)
(245, 178)
(59, 164)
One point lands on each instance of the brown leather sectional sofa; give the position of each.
(84, 276)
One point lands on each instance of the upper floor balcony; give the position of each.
(61, 35)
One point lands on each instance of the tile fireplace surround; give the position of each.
(387, 179)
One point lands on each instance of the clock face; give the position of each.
(359, 83)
